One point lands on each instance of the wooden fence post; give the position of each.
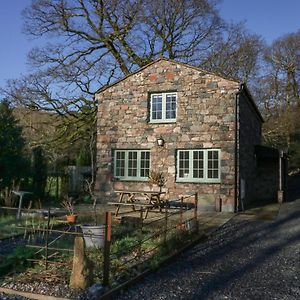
(47, 240)
(196, 212)
(181, 212)
(106, 260)
(166, 225)
(196, 206)
(140, 236)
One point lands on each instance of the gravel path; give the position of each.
(11, 297)
(244, 260)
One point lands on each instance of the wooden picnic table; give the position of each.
(134, 198)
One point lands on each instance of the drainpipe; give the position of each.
(280, 169)
(280, 192)
(236, 202)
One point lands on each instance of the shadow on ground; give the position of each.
(267, 209)
(246, 259)
(256, 253)
(293, 188)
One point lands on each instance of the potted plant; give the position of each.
(157, 178)
(69, 206)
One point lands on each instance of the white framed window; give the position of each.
(199, 165)
(132, 164)
(163, 107)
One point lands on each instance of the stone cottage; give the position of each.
(207, 127)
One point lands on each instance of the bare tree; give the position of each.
(236, 54)
(119, 33)
(97, 41)
(94, 42)
(283, 59)
(279, 89)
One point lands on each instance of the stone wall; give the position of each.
(205, 119)
(249, 136)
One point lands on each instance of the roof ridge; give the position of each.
(103, 88)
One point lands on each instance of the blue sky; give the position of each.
(269, 18)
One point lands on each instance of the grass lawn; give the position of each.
(10, 226)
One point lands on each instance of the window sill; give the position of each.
(131, 179)
(198, 181)
(162, 121)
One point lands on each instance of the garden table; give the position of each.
(134, 198)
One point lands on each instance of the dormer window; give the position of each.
(163, 107)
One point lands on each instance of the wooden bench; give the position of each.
(133, 205)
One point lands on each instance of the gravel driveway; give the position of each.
(245, 259)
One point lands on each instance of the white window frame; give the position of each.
(126, 176)
(164, 107)
(189, 177)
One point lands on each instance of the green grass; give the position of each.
(17, 261)
(10, 226)
(124, 253)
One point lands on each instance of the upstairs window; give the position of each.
(163, 107)
(198, 165)
(131, 164)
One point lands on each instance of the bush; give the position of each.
(17, 261)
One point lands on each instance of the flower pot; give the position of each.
(189, 225)
(71, 218)
(181, 226)
(93, 236)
